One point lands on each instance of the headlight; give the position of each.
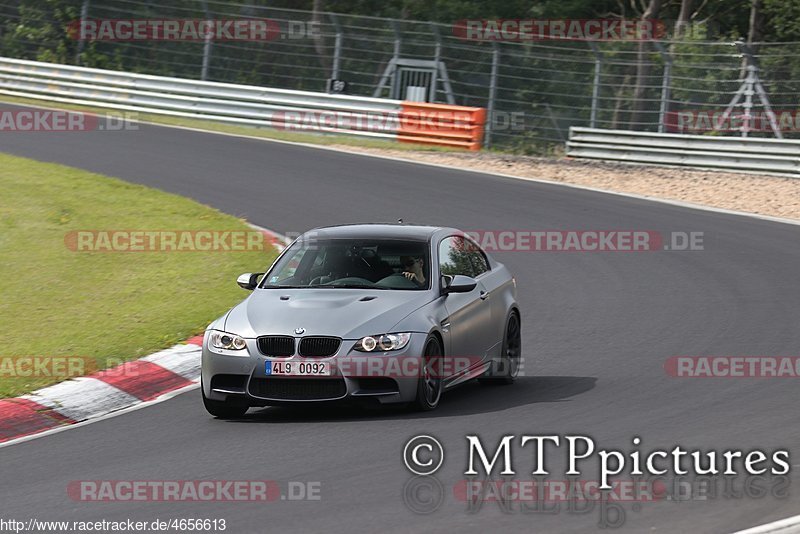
(224, 340)
(383, 342)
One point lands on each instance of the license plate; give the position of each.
(298, 368)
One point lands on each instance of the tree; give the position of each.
(642, 67)
(684, 18)
(755, 31)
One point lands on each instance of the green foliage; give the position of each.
(784, 20)
(37, 30)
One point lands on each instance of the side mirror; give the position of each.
(458, 284)
(248, 281)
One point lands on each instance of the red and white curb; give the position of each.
(101, 393)
(127, 385)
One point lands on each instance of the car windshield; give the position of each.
(352, 264)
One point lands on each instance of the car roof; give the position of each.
(377, 231)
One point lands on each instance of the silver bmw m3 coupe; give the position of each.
(381, 313)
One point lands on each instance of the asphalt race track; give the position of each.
(597, 330)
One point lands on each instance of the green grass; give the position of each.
(106, 306)
(266, 133)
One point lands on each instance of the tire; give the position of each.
(221, 409)
(512, 352)
(429, 385)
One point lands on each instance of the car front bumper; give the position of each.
(385, 377)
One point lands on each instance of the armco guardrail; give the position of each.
(432, 124)
(730, 153)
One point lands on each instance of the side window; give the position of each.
(454, 257)
(478, 259)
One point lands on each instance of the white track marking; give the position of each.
(790, 525)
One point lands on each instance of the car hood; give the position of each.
(345, 313)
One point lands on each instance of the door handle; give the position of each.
(484, 295)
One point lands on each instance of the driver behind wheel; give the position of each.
(412, 269)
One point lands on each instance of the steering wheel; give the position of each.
(350, 280)
(404, 282)
(318, 280)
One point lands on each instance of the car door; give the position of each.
(493, 285)
(469, 315)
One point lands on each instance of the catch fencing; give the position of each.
(534, 91)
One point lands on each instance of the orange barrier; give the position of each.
(441, 124)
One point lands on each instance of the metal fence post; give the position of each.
(84, 16)
(598, 60)
(337, 47)
(748, 99)
(441, 69)
(437, 57)
(665, 85)
(397, 40)
(395, 91)
(208, 42)
(437, 50)
(492, 95)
